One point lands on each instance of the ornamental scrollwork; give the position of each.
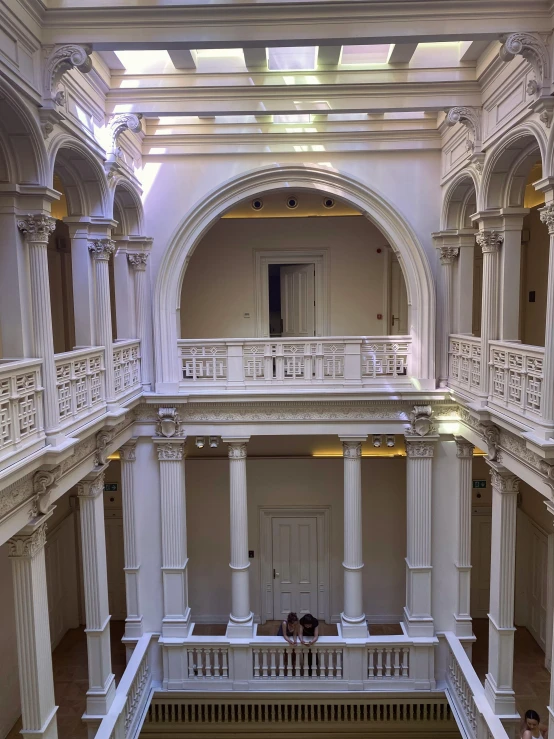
(101, 249)
(492, 438)
(421, 420)
(547, 217)
(44, 483)
(533, 49)
(27, 545)
(91, 488)
(419, 449)
(489, 241)
(122, 122)
(36, 228)
(464, 448)
(103, 440)
(168, 422)
(138, 261)
(504, 483)
(471, 119)
(60, 60)
(448, 254)
(170, 451)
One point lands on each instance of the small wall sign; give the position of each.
(479, 484)
(110, 487)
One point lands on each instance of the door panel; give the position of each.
(295, 566)
(297, 299)
(398, 299)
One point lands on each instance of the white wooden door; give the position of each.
(294, 566)
(298, 299)
(398, 299)
(481, 523)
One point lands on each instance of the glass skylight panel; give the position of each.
(372, 54)
(294, 118)
(292, 58)
(220, 60)
(152, 61)
(437, 54)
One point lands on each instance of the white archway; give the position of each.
(417, 272)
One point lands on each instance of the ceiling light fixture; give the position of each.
(200, 441)
(214, 442)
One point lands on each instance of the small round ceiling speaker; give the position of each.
(257, 204)
(328, 203)
(292, 202)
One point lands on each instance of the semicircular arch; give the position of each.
(459, 199)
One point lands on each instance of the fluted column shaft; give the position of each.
(36, 230)
(101, 251)
(499, 680)
(547, 217)
(464, 454)
(550, 507)
(133, 622)
(240, 619)
(419, 471)
(490, 242)
(176, 620)
(36, 681)
(448, 255)
(353, 623)
(143, 316)
(95, 578)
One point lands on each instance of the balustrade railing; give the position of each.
(132, 696)
(254, 362)
(516, 376)
(317, 661)
(465, 363)
(126, 360)
(467, 696)
(21, 419)
(80, 384)
(392, 662)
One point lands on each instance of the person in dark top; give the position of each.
(289, 628)
(309, 629)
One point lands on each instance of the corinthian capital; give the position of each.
(448, 254)
(36, 228)
(60, 60)
(547, 217)
(101, 248)
(237, 450)
(351, 449)
(489, 241)
(170, 451)
(27, 544)
(504, 482)
(534, 50)
(122, 122)
(91, 487)
(138, 261)
(416, 449)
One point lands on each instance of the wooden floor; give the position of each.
(270, 628)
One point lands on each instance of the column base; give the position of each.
(464, 627)
(49, 729)
(133, 628)
(176, 627)
(353, 629)
(501, 700)
(243, 629)
(418, 625)
(100, 701)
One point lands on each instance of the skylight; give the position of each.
(145, 62)
(292, 57)
(372, 54)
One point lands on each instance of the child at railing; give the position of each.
(532, 728)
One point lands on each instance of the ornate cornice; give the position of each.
(547, 217)
(101, 249)
(464, 448)
(121, 122)
(36, 228)
(236, 450)
(471, 119)
(27, 545)
(489, 241)
(138, 260)
(534, 50)
(448, 254)
(170, 451)
(59, 60)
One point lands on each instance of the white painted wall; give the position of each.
(219, 284)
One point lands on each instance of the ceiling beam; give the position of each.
(402, 53)
(328, 56)
(255, 58)
(183, 58)
(470, 51)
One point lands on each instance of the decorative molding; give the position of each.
(121, 122)
(421, 420)
(236, 450)
(168, 422)
(419, 449)
(352, 449)
(103, 440)
(471, 119)
(547, 217)
(91, 486)
(44, 483)
(138, 261)
(491, 434)
(489, 241)
(448, 254)
(170, 451)
(101, 249)
(464, 448)
(27, 545)
(59, 60)
(534, 50)
(36, 228)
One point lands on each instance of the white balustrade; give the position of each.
(388, 662)
(132, 697)
(307, 663)
(80, 384)
(254, 362)
(207, 662)
(516, 376)
(126, 361)
(21, 411)
(466, 695)
(465, 365)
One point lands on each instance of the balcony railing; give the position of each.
(251, 363)
(126, 360)
(516, 377)
(465, 365)
(21, 419)
(80, 383)
(467, 696)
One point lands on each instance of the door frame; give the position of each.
(266, 516)
(320, 258)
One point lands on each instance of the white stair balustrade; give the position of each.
(21, 408)
(80, 385)
(465, 363)
(516, 377)
(127, 373)
(466, 695)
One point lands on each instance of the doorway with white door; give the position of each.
(294, 562)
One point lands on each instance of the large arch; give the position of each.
(417, 272)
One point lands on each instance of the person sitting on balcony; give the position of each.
(289, 628)
(532, 727)
(309, 629)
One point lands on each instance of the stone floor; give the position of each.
(531, 679)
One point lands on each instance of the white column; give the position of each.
(95, 579)
(143, 315)
(83, 282)
(463, 310)
(499, 680)
(547, 217)
(463, 488)
(241, 620)
(490, 242)
(133, 622)
(34, 653)
(101, 251)
(418, 620)
(36, 230)
(353, 623)
(448, 255)
(176, 620)
(510, 273)
(550, 639)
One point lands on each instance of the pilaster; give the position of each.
(547, 217)
(448, 254)
(143, 313)
(490, 243)
(133, 622)
(464, 454)
(101, 251)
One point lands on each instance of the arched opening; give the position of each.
(294, 179)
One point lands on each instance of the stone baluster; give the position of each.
(464, 454)
(101, 251)
(176, 620)
(133, 622)
(143, 320)
(353, 621)
(499, 680)
(36, 230)
(36, 681)
(241, 621)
